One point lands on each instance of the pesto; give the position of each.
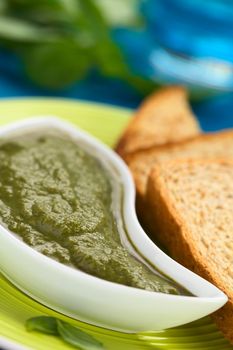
(58, 199)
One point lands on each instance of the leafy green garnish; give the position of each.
(20, 30)
(43, 324)
(60, 41)
(121, 12)
(76, 337)
(70, 334)
(56, 65)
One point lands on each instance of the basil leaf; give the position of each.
(44, 324)
(77, 338)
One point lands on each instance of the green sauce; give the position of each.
(59, 200)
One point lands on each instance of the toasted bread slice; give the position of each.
(190, 210)
(164, 117)
(205, 145)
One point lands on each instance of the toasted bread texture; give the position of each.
(189, 210)
(205, 145)
(164, 117)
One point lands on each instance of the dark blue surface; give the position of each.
(94, 88)
(215, 113)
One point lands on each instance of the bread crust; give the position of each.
(166, 225)
(141, 163)
(163, 117)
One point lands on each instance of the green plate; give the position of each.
(106, 123)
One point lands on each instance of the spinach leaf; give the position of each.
(56, 65)
(20, 30)
(43, 324)
(68, 333)
(60, 41)
(78, 338)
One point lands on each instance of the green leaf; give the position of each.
(56, 65)
(19, 30)
(60, 40)
(121, 12)
(43, 324)
(70, 6)
(77, 338)
(37, 12)
(94, 20)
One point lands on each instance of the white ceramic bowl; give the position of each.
(94, 300)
